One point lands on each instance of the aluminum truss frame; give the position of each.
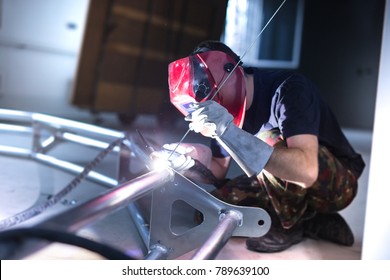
(220, 220)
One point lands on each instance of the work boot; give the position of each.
(276, 239)
(330, 227)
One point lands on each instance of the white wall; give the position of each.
(40, 42)
(376, 239)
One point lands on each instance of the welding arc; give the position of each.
(234, 68)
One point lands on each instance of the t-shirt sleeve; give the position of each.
(297, 107)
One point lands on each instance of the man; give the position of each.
(299, 165)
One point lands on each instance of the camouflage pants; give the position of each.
(334, 189)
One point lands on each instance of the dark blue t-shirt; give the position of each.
(290, 102)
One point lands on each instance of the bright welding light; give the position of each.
(173, 156)
(159, 162)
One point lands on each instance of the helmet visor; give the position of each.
(205, 76)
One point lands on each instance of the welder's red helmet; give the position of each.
(197, 78)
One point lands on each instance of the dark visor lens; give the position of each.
(202, 86)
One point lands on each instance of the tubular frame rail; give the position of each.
(221, 220)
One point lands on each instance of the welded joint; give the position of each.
(158, 252)
(232, 214)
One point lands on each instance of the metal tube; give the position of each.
(73, 169)
(15, 115)
(157, 252)
(229, 221)
(85, 141)
(76, 132)
(57, 163)
(59, 129)
(59, 123)
(139, 222)
(14, 152)
(108, 202)
(15, 128)
(92, 210)
(75, 126)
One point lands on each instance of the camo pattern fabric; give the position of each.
(334, 189)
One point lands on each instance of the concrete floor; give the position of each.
(24, 183)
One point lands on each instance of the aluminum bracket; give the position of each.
(255, 221)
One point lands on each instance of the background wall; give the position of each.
(39, 46)
(376, 243)
(340, 52)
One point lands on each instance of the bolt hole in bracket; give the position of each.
(178, 198)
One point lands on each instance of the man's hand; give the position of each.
(178, 160)
(210, 118)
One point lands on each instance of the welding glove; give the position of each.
(214, 120)
(177, 159)
(209, 118)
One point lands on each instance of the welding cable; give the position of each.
(38, 209)
(10, 241)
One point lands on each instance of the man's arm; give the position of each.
(298, 162)
(219, 167)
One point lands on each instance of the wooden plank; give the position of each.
(129, 44)
(121, 98)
